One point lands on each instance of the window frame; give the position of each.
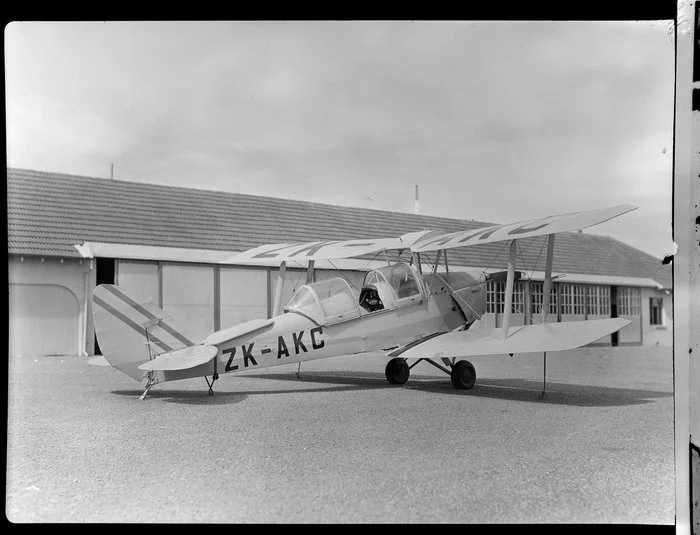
(496, 297)
(629, 301)
(598, 300)
(537, 298)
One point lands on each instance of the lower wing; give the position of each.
(522, 339)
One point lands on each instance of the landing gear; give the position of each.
(214, 377)
(463, 375)
(397, 371)
(211, 385)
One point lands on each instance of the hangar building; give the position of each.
(66, 234)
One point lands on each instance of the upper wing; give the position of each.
(523, 229)
(325, 250)
(523, 339)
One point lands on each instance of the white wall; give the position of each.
(188, 294)
(49, 298)
(243, 295)
(661, 335)
(140, 279)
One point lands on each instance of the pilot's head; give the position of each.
(372, 300)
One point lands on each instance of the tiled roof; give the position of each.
(48, 213)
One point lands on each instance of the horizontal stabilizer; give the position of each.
(98, 361)
(522, 339)
(131, 330)
(248, 327)
(181, 359)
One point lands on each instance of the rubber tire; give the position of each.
(463, 375)
(397, 371)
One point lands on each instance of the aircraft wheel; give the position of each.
(463, 374)
(397, 371)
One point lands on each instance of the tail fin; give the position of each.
(130, 332)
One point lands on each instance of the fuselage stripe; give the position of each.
(138, 328)
(161, 323)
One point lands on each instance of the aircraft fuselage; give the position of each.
(294, 337)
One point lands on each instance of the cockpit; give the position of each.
(334, 300)
(390, 287)
(325, 302)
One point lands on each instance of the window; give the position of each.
(628, 301)
(573, 299)
(656, 311)
(496, 297)
(579, 299)
(537, 293)
(495, 292)
(518, 298)
(599, 300)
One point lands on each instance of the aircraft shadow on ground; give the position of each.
(186, 397)
(201, 397)
(506, 389)
(338, 381)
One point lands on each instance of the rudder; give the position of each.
(131, 332)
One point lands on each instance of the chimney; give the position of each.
(416, 206)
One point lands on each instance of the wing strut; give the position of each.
(278, 289)
(437, 261)
(547, 278)
(418, 264)
(545, 302)
(544, 376)
(310, 275)
(509, 289)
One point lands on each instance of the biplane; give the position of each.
(406, 314)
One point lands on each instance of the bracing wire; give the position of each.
(300, 275)
(452, 290)
(539, 254)
(517, 309)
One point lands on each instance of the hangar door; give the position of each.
(44, 320)
(629, 306)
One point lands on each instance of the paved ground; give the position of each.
(341, 445)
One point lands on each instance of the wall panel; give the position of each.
(188, 294)
(243, 295)
(43, 320)
(140, 279)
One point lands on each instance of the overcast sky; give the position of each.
(494, 121)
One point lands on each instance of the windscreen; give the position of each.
(399, 276)
(326, 301)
